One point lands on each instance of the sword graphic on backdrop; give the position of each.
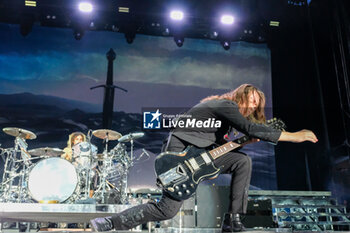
(108, 99)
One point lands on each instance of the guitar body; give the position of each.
(179, 173)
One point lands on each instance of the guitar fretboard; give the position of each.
(229, 146)
(221, 150)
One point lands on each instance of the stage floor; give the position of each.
(173, 230)
(81, 213)
(157, 230)
(63, 213)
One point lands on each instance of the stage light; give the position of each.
(166, 32)
(179, 41)
(30, 3)
(213, 35)
(177, 15)
(297, 2)
(274, 23)
(123, 9)
(78, 34)
(85, 7)
(129, 36)
(227, 19)
(115, 28)
(226, 44)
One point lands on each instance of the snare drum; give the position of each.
(52, 179)
(83, 154)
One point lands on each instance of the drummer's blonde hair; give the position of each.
(68, 150)
(72, 137)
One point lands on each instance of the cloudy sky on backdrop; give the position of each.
(50, 61)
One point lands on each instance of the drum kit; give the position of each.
(41, 175)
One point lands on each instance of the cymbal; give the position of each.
(131, 136)
(106, 133)
(48, 151)
(18, 132)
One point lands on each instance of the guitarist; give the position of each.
(242, 109)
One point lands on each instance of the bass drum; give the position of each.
(52, 180)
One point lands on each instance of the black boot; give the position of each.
(101, 224)
(232, 223)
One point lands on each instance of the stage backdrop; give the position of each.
(45, 81)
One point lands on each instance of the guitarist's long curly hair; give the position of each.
(240, 96)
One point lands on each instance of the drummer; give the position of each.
(74, 138)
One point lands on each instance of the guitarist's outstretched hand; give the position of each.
(299, 136)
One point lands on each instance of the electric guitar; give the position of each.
(179, 173)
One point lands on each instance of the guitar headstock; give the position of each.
(276, 124)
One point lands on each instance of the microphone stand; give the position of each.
(104, 175)
(88, 182)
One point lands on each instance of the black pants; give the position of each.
(238, 164)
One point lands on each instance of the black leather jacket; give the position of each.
(228, 113)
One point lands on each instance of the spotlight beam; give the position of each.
(177, 15)
(85, 7)
(227, 19)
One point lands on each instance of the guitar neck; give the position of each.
(221, 150)
(229, 146)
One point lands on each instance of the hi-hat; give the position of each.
(48, 151)
(18, 132)
(131, 136)
(106, 134)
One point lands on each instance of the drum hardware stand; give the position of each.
(107, 163)
(126, 163)
(88, 170)
(105, 184)
(16, 165)
(116, 154)
(8, 175)
(21, 145)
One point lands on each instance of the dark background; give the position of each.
(310, 65)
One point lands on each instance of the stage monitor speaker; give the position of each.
(185, 218)
(212, 202)
(259, 214)
(207, 207)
